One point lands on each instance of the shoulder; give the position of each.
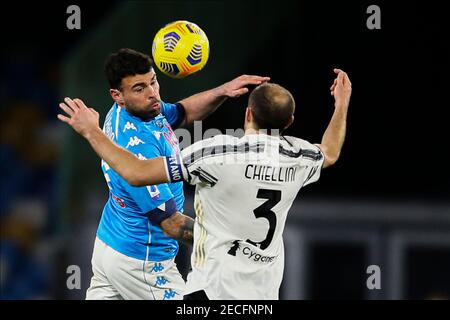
(165, 105)
(296, 147)
(216, 145)
(295, 142)
(168, 108)
(217, 140)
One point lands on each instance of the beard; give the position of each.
(145, 113)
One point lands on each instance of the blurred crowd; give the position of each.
(29, 154)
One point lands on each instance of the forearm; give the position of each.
(334, 136)
(134, 171)
(201, 105)
(179, 227)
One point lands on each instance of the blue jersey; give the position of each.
(125, 224)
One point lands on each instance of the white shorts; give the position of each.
(117, 277)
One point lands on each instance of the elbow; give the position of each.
(330, 156)
(333, 160)
(172, 226)
(133, 178)
(188, 120)
(179, 227)
(330, 160)
(172, 232)
(327, 163)
(133, 182)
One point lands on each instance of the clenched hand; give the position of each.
(341, 89)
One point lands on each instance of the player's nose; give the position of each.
(151, 92)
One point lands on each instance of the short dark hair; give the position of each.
(126, 62)
(272, 106)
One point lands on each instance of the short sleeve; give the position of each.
(196, 168)
(162, 212)
(174, 113)
(150, 197)
(314, 158)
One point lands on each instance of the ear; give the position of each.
(248, 114)
(117, 96)
(291, 120)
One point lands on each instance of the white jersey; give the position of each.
(244, 190)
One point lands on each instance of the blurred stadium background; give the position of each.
(385, 203)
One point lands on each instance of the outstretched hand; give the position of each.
(341, 88)
(237, 87)
(82, 119)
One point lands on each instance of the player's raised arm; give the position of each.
(334, 135)
(136, 172)
(201, 105)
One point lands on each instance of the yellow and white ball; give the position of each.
(180, 48)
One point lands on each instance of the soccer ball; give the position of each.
(180, 48)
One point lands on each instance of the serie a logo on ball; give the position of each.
(180, 48)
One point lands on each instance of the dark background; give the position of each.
(396, 142)
(396, 148)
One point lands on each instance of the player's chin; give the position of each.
(154, 110)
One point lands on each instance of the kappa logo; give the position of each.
(169, 294)
(158, 267)
(134, 141)
(157, 134)
(160, 281)
(129, 126)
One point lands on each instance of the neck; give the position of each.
(252, 130)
